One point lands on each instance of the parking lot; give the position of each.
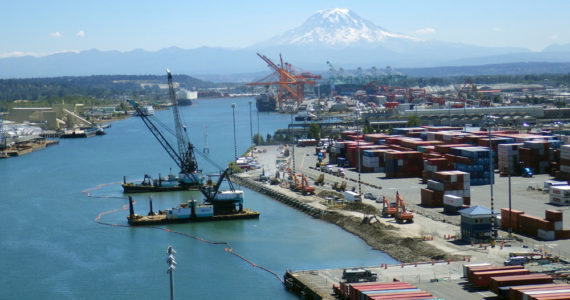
(527, 194)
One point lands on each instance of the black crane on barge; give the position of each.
(183, 155)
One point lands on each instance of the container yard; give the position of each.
(441, 172)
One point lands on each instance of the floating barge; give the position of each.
(188, 213)
(168, 184)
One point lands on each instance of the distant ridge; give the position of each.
(338, 35)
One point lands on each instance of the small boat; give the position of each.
(146, 111)
(305, 116)
(80, 133)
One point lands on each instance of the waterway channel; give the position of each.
(51, 248)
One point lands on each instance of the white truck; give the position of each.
(351, 196)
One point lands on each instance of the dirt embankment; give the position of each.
(387, 239)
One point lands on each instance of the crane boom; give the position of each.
(184, 156)
(185, 148)
(157, 134)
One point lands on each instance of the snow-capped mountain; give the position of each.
(336, 27)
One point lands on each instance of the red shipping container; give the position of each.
(545, 225)
(496, 282)
(482, 278)
(517, 292)
(553, 215)
(528, 225)
(562, 234)
(473, 269)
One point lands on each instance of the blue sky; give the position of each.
(44, 27)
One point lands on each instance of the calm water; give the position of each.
(52, 249)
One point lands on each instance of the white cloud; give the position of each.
(497, 29)
(55, 34)
(427, 30)
(16, 54)
(80, 33)
(553, 37)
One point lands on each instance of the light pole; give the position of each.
(235, 142)
(250, 124)
(490, 122)
(171, 267)
(356, 117)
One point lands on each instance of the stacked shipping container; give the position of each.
(536, 155)
(509, 158)
(455, 183)
(382, 290)
(403, 164)
(549, 228)
(474, 160)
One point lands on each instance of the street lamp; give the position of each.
(250, 124)
(235, 142)
(356, 118)
(258, 136)
(490, 120)
(171, 267)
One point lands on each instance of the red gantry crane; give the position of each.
(291, 82)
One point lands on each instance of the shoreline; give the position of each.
(386, 238)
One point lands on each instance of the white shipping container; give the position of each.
(452, 200)
(435, 185)
(458, 193)
(554, 199)
(561, 191)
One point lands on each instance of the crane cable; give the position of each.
(228, 247)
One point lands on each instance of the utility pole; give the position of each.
(171, 267)
(235, 141)
(357, 118)
(490, 121)
(250, 124)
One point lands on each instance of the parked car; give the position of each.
(369, 196)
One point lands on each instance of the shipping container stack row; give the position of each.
(509, 159)
(400, 164)
(436, 164)
(499, 279)
(382, 290)
(548, 229)
(475, 161)
(539, 292)
(373, 160)
(564, 173)
(536, 155)
(454, 183)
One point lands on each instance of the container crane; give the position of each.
(467, 89)
(183, 154)
(290, 84)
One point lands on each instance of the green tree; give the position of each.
(315, 131)
(414, 121)
(257, 139)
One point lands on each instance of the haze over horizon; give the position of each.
(40, 28)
